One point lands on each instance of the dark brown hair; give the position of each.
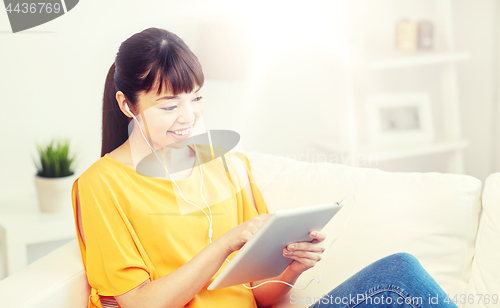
(148, 58)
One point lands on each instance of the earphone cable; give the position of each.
(210, 217)
(199, 165)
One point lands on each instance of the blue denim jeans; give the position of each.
(397, 280)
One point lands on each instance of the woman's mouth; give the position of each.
(181, 134)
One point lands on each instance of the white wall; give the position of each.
(476, 23)
(319, 87)
(496, 114)
(52, 79)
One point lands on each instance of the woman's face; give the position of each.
(169, 119)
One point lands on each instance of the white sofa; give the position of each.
(434, 216)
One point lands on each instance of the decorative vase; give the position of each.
(54, 194)
(425, 35)
(406, 35)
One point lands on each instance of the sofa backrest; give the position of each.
(433, 216)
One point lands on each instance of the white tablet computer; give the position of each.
(261, 257)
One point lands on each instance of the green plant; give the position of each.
(54, 159)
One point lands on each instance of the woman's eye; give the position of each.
(173, 107)
(169, 108)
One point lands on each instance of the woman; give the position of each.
(147, 243)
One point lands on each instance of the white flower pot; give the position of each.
(54, 194)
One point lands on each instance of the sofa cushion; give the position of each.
(485, 275)
(433, 216)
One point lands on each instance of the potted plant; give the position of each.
(55, 176)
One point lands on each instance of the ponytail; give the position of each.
(114, 121)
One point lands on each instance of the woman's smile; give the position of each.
(181, 134)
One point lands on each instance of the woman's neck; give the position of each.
(176, 160)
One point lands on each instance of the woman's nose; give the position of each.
(187, 114)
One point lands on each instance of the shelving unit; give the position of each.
(446, 59)
(400, 59)
(404, 151)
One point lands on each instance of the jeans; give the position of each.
(397, 280)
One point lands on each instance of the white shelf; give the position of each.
(375, 55)
(398, 59)
(387, 153)
(404, 151)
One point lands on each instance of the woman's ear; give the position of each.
(120, 98)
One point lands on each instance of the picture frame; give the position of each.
(400, 118)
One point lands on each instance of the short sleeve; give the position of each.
(112, 260)
(249, 211)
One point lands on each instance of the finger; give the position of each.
(308, 263)
(306, 246)
(264, 217)
(303, 254)
(317, 235)
(246, 236)
(314, 255)
(259, 220)
(251, 227)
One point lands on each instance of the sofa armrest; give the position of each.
(56, 280)
(485, 275)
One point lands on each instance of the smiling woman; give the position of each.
(132, 254)
(141, 244)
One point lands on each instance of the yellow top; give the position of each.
(135, 228)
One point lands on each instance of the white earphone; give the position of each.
(128, 109)
(210, 217)
(201, 185)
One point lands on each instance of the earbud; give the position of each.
(128, 109)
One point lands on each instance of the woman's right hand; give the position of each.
(235, 238)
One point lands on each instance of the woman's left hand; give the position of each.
(305, 255)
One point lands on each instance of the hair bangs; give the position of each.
(174, 74)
